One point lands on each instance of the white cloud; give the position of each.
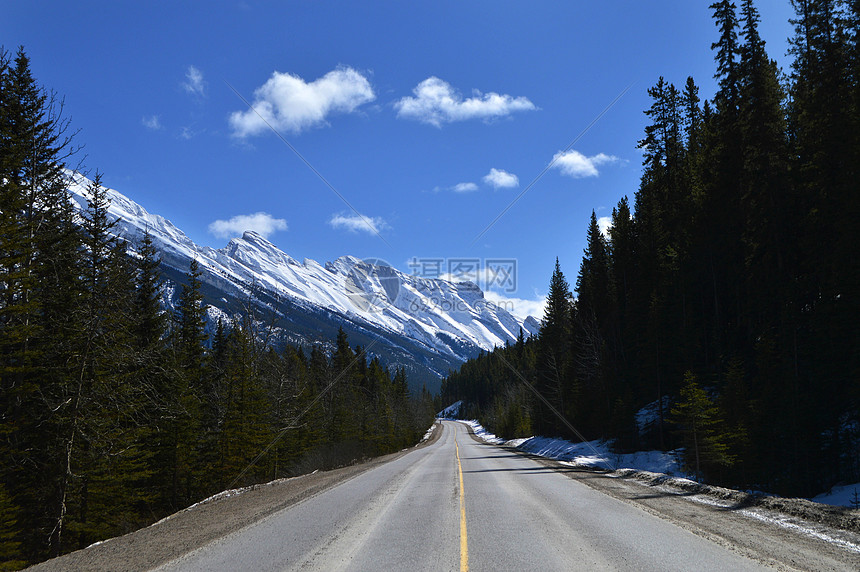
(501, 179)
(464, 187)
(152, 122)
(519, 307)
(604, 223)
(356, 223)
(287, 102)
(194, 83)
(262, 223)
(436, 102)
(575, 164)
(481, 276)
(458, 188)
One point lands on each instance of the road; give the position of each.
(459, 504)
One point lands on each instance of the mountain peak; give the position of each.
(255, 237)
(255, 250)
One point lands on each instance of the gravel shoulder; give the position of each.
(209, 520)
(786, 534)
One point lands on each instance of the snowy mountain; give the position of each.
(420, 323)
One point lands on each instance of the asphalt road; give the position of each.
(455, 505)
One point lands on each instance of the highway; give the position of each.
(462, 505)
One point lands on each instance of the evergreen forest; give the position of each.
(116, 411)
(727, 293)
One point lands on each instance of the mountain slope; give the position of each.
(425, 325)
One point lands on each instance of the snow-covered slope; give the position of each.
(453, 319)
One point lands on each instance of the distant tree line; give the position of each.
(115, 412)
(728, 294)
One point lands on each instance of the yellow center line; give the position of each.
(464, 543)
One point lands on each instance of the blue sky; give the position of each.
(426, 118)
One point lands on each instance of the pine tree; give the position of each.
(103, 419)
(245, 430)
(594, 312)
(554, 345)
(180, 439)
(593, 285)
(11, 553)
(722, 166)
(622, 260)
(693, 125)
(346, 400)
(739, 410)
(700, 427)
(727, 48)
(766, 194)
(663, 206)
(723, 270)
(190, 323)
(36, 240)
(823, 122)
(151, 318)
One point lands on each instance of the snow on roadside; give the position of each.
(651, 466)
(593, 454)
(482, 433)
(844, 495)
(427, 434)
(222, 495)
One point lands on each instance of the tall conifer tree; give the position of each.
(554, 347)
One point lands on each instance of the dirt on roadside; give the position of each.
(838, 517)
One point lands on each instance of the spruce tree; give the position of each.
(190, 323)
(11, 552)
(346, 401)
(593, 284)
(721, 180)
(103, 418)
(700, 424)
(823, 124)
(594, 312)
(182, 431)
(151, 322)
(554, 345)
(36, 244)
(245, 429)
(766, 193)
(727, 51)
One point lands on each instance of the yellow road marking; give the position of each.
(464, 542)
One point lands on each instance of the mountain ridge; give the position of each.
(450, 319)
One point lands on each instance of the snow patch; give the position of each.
(844, 495)
(650, 414)
(451, 412)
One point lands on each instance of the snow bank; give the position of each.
(593, 454)
(482, 433)
(660, 467)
